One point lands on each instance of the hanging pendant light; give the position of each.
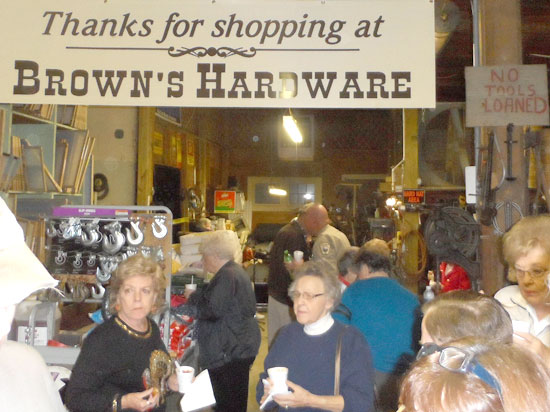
(291, 127)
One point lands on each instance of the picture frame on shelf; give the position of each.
(2, 127)
(76, 142)
(33, 168)
(61, 153)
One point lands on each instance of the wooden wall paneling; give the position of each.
(272, 217)
(145, 155)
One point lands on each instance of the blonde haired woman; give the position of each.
(108, 374)
(526, 249)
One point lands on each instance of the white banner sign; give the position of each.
(499, 95)
(262, 53)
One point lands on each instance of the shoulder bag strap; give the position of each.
(337, 362)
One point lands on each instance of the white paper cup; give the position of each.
(191, 287)
(278, 377)
(185, 377)
(298, 256)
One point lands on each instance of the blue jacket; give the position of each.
(388, 315)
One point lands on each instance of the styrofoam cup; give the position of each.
(278, 376)
(298, 255)
(185, 376)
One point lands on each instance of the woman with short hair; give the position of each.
(473, 376)
(465, 313)
(526, 249)
(228, 333)
(126, 350)
(308, 348)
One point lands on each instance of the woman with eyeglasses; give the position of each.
(309, 347)
(469, 376)
(526, 249)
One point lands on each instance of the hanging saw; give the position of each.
(509, 147)
(487, 203)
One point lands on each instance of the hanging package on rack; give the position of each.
(85, 245)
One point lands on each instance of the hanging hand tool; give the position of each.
(487, 203)
(509, 147)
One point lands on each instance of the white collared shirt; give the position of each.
(524, 317)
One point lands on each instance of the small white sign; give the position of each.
(499, 95)
(40, 335)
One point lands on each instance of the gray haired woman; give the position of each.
(308, 349)
(228, 334)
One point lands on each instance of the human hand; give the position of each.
(292, 266)
(298, 397)
(267, 387)
(172, 382)
(141, 401)
(533, 344)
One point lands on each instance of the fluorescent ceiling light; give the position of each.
(291, 128)
(276, 191)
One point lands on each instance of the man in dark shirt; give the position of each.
(291, 237)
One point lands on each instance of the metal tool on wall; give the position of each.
(487, 202)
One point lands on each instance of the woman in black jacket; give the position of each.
(228, 334)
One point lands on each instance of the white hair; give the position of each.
(221, 243)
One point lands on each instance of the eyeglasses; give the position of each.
(308, 297)
(459, 360)
(533, 273)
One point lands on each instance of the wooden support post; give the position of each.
(145, 156)
(500, 23)
(410, 181)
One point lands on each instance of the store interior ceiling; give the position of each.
(457, 53)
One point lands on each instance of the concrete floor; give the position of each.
(258, 365)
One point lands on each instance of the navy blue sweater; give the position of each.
(310, 363)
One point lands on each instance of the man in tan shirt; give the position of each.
(330, 244)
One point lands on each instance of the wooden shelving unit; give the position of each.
(41, 130)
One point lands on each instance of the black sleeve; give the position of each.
(279, 278)
(86, 391)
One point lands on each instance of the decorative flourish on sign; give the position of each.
(200, 51)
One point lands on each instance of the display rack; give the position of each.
(85, 243)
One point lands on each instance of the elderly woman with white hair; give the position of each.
(329, 365)
(228, 334)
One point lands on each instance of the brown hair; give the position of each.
(524, 381)
(527, 233)
(138, 265)
(463, 313)
(347, 261)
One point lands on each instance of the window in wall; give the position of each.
(301, 193)
(262, 196)
(300, 190)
